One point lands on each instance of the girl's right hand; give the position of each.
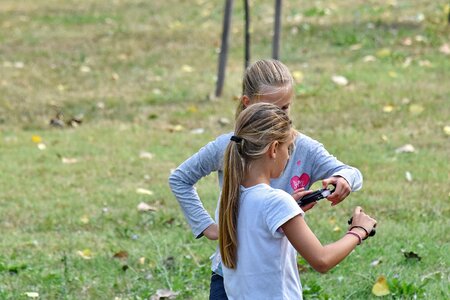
(212, 232)
(363, 220)
(300, 193)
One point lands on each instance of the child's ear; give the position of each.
(273, 150)
(245, 100)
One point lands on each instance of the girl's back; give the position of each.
(266, 265)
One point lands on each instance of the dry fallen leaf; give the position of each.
(369, 58)
(145, 207)
(192, 109)
(381, 288)
(84, 219)
(408, 176)
(144, 191)
(198, 131)
(298, 76)
(337, 228)
(121, 254)
(392, 74)
(85, 69)
(142, 260)
(384, 52)
(187, 69)
(32, 294)
(446, 129)
(339, 80)
(68, 160)
(445, 48)
(164, 294)
(224, 121)
(407, 41)
(145, 155)
(376, 262)
(86, 254)
(355, 47)
(416, 109)
(408, 148)
(388, 108)
(36, 139)
(176, 128)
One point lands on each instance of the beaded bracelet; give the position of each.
(365, 230)
(355, 234)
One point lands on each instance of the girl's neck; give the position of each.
(257, 173)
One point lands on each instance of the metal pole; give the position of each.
(276, 34)
(247, 33)
(224, 46)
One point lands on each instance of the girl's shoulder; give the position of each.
(303, 139)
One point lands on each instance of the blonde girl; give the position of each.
(262, 228)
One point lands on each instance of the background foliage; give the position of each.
(139, 76)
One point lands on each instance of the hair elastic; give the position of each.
(357, 235)
(236, 139)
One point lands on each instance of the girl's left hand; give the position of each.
(300, 193)
(341, 191)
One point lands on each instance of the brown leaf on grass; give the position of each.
(302, 268)
(381, 288)
(164, 294)
(121, 254)
(411, 255)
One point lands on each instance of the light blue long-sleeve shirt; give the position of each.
(309, 163)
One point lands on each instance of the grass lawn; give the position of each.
(140, 76)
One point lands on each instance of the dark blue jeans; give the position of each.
(217, 289)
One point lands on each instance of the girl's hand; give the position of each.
(300, 193)
(363, 220)
(212, 232)
(341, 191)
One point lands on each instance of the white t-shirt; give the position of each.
(266, 261)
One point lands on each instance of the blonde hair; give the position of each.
(257, 127)
(262, 77)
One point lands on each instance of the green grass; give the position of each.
(134, 70)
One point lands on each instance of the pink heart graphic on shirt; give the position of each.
(299, 182)
(298, 163)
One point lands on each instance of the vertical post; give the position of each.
(276, 30)
(247, 33)
(224, 46)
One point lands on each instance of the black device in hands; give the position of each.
(316, 195)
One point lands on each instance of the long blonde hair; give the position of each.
(257, 127)
(262, 77)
